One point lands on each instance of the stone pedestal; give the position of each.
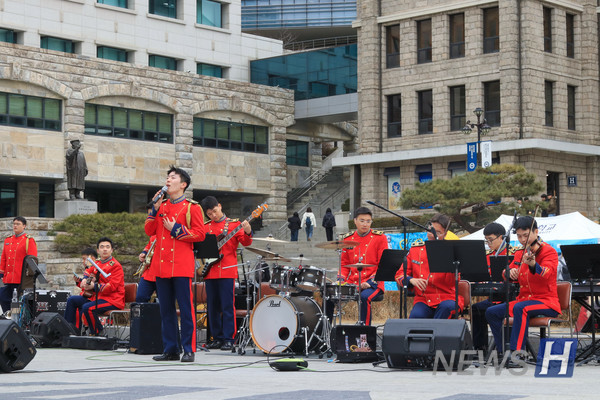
(62, 209)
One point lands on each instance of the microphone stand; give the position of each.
(505, 329)
(403, 311)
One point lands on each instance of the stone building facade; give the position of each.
(532, 66)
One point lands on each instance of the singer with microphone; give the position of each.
(434, 292)
(177, 222)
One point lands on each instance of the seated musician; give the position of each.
(494, 236)
(534, 267)
(434, 292)
(108, 292)
(369, 251)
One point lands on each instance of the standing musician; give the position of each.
(16, 247)
(534, 267)
(220, 280)
(494, 236)
(434, 292)
(372, 244)
(147, 284)
(177, 223)
(108, 292)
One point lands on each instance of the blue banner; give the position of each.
(396, 242)
(471, 156)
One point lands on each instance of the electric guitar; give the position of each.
(222, 239)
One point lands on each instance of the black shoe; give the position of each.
(227, 346)
(215, 344)
(167, 357)
(187, 357)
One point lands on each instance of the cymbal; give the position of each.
(261, 252)
(270, 239)
(277, 257)
(360, 265)
(338, 244)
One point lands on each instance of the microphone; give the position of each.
(434, 233)
(163, 191)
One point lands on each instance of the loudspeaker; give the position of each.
(413, 343)
(49, 328)
(16, 350)
(90, 342)
(145, 333)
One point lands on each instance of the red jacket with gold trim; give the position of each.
(229, 249)
(15, 250)
(367, 252)
(148, 274)
(111, 289)
(173, 253)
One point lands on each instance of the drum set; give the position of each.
(285, 317)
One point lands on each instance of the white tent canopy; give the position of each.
(571, 228)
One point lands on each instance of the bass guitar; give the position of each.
(222, 239)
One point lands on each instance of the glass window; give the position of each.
(547, 30)
(571, 107)
(570, 35)
(230, 135)
(8, 35)
(162, 62)
(457, 35)
(392, 47)
(46, 200)
(30, 111)
(209, 13)
(209, 70)
(8, 199)
(296, 153)
(111, 53)
(128, 123)
(116, 3)
(424, 41)
(109, 201)
(424, 174)
(52, 43)
(491, 94)
(549, 96)
(165, 8)
(425, 111)
(457, 108)
(394, 115)
(457, 168)
(491, 30)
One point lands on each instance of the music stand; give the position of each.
(389, 264)
(498, 266)
(207, 248)
(452, 256)
(583, 261)
(31, 262)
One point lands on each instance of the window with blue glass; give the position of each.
(209, 70)
(310, 74)
(8, 35)
(111, 53)
(8, 199)
(116, 3)
(30, 111)
(164, 8)
(296, 153)
(231, 135)
(162, 62)
(209, 13)
(128, 123)
(58, 44)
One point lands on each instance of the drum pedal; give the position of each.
(289, 364)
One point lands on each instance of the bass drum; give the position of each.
(277, 323)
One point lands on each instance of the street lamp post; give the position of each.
(482, 129)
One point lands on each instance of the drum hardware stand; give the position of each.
(359, 300)
(325, 338)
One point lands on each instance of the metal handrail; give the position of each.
(319, 43)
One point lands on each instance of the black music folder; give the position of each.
(498, 265)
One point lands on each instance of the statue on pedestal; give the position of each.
(76, 170)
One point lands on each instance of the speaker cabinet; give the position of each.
(145, 333)
(413, 343)
(16, 350)
(49, 329)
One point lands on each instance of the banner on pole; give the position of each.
(486, 153)
(471, 156)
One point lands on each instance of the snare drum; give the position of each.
(278, 323)
(283, 278)
(310, 278)
(347, 292)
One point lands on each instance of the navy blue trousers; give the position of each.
(169, 290)
(144, 291)
(6, 293)
(79, 306)
(444, 310)
(479, 324)
(220, 305)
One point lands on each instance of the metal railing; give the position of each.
(319, 43)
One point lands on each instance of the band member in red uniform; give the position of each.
(16, 247)
(177, 223)
(372, 244)
(534, 267)
(108, 292)
(434, 292)
(88, 276)
(220, 281)
(147, 284)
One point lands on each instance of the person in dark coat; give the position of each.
(294, 226)
(328, 224)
